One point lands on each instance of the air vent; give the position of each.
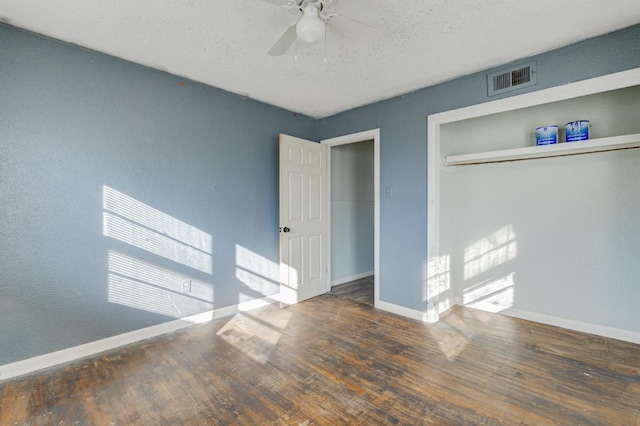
(511, 79)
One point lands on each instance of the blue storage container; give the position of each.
(547, 135)
(577, 130)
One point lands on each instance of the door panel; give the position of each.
(315, 197)
(295, 197)
(294, 262)
(315, 257)
(303, 219)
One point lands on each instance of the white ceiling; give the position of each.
(224, 43)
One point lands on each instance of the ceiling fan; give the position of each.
(311, 25)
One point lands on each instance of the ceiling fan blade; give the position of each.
(288, 4)
(354, 29)
(284, 42)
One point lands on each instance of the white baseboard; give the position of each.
(41, 362)
(584, 327)
(351, 278)
(401, 310)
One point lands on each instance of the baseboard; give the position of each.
(401, 310)
(63, 356)
(584, 327)
(351, 278)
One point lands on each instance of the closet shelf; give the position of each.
(557, 150)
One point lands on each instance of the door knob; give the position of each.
(286, 229)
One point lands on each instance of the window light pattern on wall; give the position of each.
(132, 222)
(259, 275)
(487, 288)
(437, 276)
(140, 284)
(493, 296)
(489, 252)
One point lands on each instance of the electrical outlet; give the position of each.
(186, 286)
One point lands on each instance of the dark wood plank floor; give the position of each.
(359, 290)
(335, 361)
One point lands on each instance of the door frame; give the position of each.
(373, 134)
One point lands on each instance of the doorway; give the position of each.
(354, 219)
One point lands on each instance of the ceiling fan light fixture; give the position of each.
(310, 29)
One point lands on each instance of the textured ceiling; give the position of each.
(224, 43)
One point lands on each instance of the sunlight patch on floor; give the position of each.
(256, 336)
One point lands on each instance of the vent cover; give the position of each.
(511, 79)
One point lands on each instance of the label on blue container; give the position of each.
(577, 130)
(547, 135)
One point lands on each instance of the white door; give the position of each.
(303, 219)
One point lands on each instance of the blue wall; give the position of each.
(194, 162)
(403, 148)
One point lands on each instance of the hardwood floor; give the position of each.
(335, 361)
(359, 290)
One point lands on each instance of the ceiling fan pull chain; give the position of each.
(325, 47)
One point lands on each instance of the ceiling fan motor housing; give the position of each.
(310, 29)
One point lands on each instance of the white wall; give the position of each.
(352, 211)
(556, 236)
